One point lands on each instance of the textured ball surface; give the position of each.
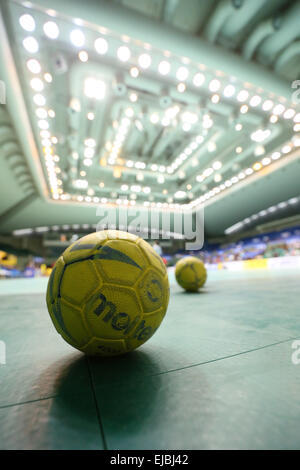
(108, 293)
(190, 273)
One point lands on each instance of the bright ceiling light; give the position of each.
(36, 84)
(186, 127)
(182, 74)
(83, 56)
(180, 195)
(136, 188)
(90, 116)
(267, 105)
(164, 67)
(214, 85)
(260, 135)
(134, 72)
(278, 109)
(189, 117)
(33, 66)
(31, 45)
(41, 113)
(80, 184)
(217, 165)
(242, 96)
(207, 123)
(244, 109)
(181, 87)
(215, 98)
(123, 53)
(89, 152)
(43, 124)
(77, 38)
(154, 118)
(289, 113)
(90, 142)
(257, 166)
(266, 161)
(133, 97)
(249, 171)
(198, 79)
(297, 117)
(39, 100)
(211, 147)
(286, 149)
(208, 172)
(144, 61)
(296, 141)
(255, 101)
(27, 22)
(101, 46)
(51, 30)
(124, 187)
(94, 88)
(48, 77)
(229, 91)
(199, 139)
(238, 127)
(276, 155)
(273, 119)
(259, 150)
(146, 190)
(87, 162)
(160, 179)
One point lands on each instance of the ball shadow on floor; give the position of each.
(85, 387)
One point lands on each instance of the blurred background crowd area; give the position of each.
(266, 246)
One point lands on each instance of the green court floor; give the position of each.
(218, 373)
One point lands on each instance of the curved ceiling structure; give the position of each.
(161, 105)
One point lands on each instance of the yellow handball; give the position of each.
(108, 293)
(190, 273)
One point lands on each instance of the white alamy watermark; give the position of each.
(153, 224)
(296, 94)
(2, 353)
(2, 92)
(296, 354)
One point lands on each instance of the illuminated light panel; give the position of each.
(242, 96)
(244, 109)
(267, 105)
(214, 85)
(229, 91)
(144, 61)
(198, 79)
(123, 53)
(33, 66)
(51, 30)
(27, 22)
(31, 45)
(255, 101)
(164, 67)
(101, 46)
(134, 72)
(77, 38)
(289, 113)
(37, 84)
(94, 88)
(83, 56)
(181, 87)
(257, 166)
(278, 109)
(182, 74)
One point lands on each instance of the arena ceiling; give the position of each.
(161, 104)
